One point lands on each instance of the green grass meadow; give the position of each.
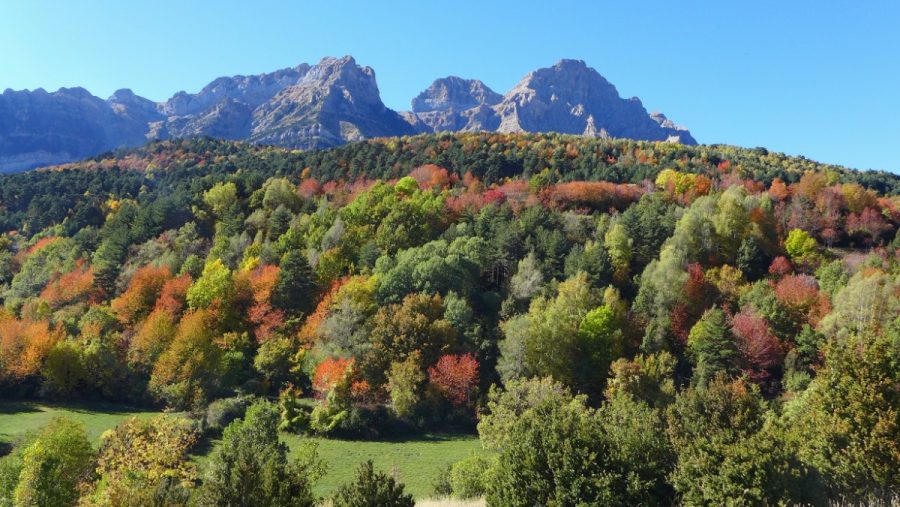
(415, 462)
(18, 418)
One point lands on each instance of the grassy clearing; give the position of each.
(17, 418)
(449, 502)
(415, 461)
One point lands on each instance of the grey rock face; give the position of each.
(40, 128)
(572, 98)
(251, 90)
(569, 98)
(323, 105)
(454, 93)
(223, 108)
(336, 101)
(454, 104)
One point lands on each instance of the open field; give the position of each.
(416, 461)
(17, 418)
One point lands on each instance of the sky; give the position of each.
(806, 77)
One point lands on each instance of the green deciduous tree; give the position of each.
(405, 381)
(867, 304)
(800, 246)
(600, 342)
(553, 345)
(220, 197)
(214, 285)
(53, 466)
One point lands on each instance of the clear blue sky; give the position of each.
(811, 77)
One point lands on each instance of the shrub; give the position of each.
(145, 462)
(294, 416)
(468, 477)
(441, 486)
(370, 423)
(372, 489)
(220, 413)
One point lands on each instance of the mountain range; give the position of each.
(318, 106)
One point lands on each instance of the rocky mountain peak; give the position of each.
(126, 99)
(251, 90)
(340, 79)
(572, 98)
(333, 69)
(571, 81)
(455, 93)
(315, 106)
(337, 101)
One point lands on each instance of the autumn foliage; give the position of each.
(599, 195)
(75, 286)
(801, 295)
(23, 346)
(431, 177)
(760, 349)
(143, 290)
(173, 295)
(261, 313)
(455, 377)
(329, 372)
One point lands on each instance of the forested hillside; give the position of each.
(623, 322)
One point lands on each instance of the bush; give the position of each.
(372, 489)
(363, 422)
(145, 462)
(294, 416)
(441, 486)
(222, 412)
(468, 477)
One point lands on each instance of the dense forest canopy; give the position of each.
(626, 322)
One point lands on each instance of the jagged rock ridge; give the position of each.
(569, 97)
(323, 105)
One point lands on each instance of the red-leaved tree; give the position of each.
(760, 349)
(456, 377)
(801, 296)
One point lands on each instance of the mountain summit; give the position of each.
(569, 98)
(317, 106)
(337, 101)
